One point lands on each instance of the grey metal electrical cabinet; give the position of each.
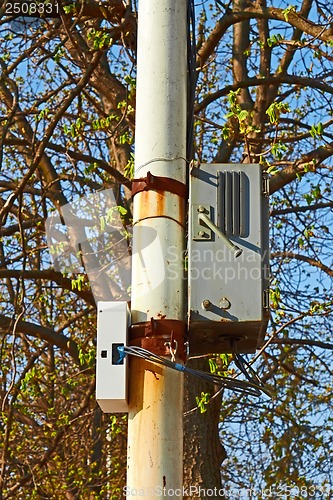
(228, 261)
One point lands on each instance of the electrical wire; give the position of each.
(192, 78)
(245, 387)
(244, 367)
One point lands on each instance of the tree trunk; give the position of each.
(203, 451)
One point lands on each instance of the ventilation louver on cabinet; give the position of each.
(233, 203)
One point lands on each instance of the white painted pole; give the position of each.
(155, 427)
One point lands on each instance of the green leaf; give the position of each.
(68, 9)
(77, 283)
(212, 365)
(202, 401)
(316, 130)
(286, 12)
(275, 296)
(129, 169)
(275, 110)
(122, 210)
(226, 132)
(243, 115)
(274, 40)
(272, 170)
(308, 198)
(278, 149)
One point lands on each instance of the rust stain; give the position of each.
(151, 204)
(160, 204)
(182, 211)
(143, 206)
(164, 482)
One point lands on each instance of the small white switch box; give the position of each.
(113, 319)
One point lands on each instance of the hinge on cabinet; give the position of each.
(265, 184)
(265, 299)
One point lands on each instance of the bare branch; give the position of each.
(305, 342)
(304, 258)
(309, 162)
(299, 81)
(305, 208)
(294, 19)
(78, 156)
(48, 274)
(60, 434)
(48, 133)
(42, 332)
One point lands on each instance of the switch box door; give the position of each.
(113, 321)
(228, 258)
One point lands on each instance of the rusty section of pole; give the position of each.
(152, 204)
(155, 454)
(164, 337)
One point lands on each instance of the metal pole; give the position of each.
(155, 426)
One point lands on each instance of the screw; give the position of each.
(224, 303)
(206, 304)
(201, 209)
(201, 233)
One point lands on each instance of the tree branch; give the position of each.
(301, 81)
(312, 159)
(78, 156)
(51, 275)
(60, 434)
(241, 43)
(49, 131)
(229, 18)
(304, 258)
(44, 333)
(306, 342)
(305, 208)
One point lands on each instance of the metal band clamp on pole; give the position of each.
(160, 336)
(159, 183)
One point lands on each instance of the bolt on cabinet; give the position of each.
(228, 252)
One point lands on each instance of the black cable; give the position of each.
(191, 77)
(240, 386)
(245, 368)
